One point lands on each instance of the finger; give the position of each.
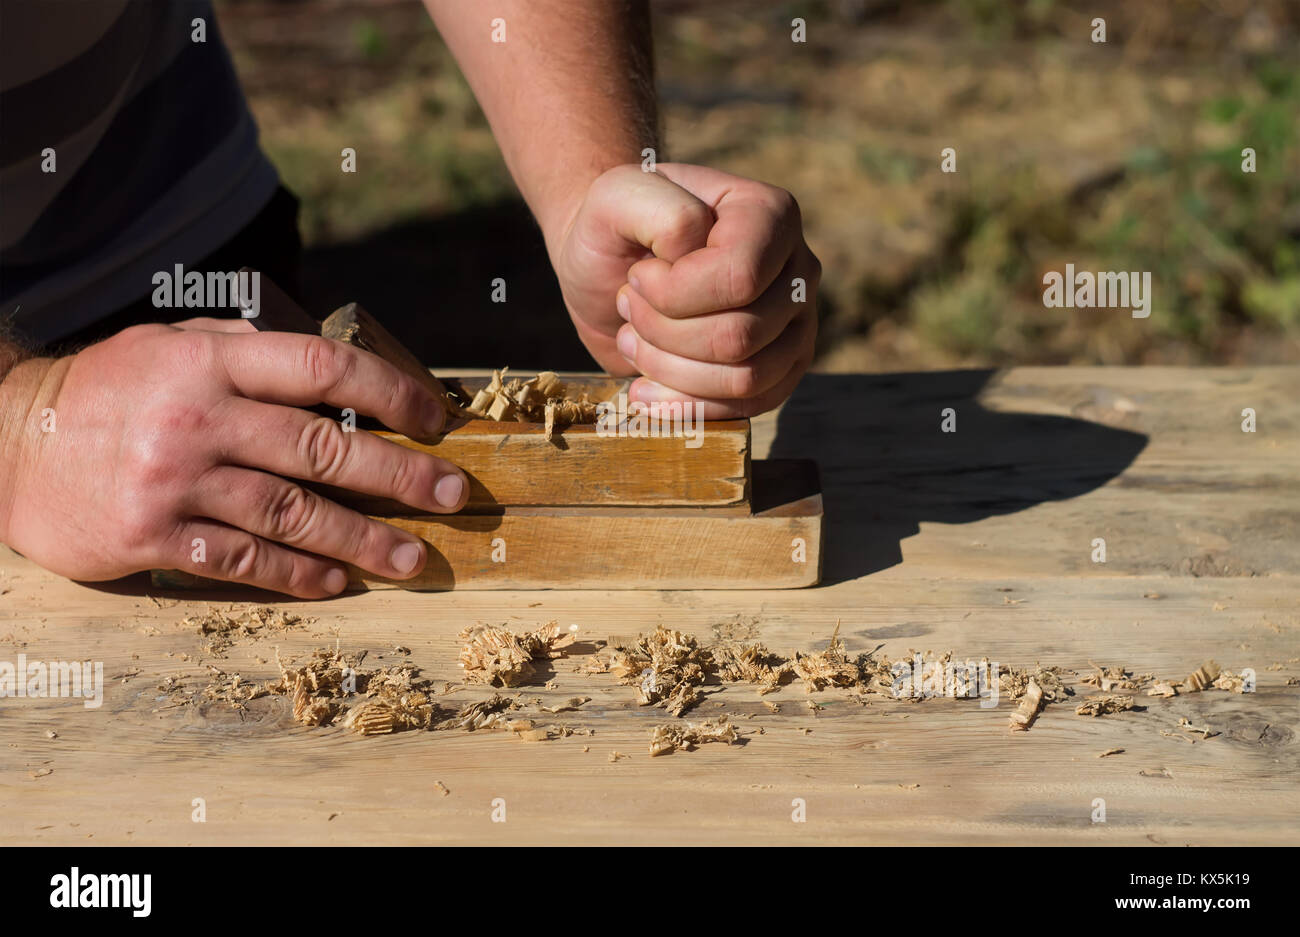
(712, 380)
(756, 234)
(209, 324)
(728, 337)
(648, 209)
(238, 556)
(647, 391)
(304, 370)
(279, 510)
(292, 442)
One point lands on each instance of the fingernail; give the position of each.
(634, 283)
(626, 342)
(434, 415)
(449, 490)
(335, 581)
(405, 557)
(624, 306)
(646, 391)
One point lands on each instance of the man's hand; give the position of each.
(172, 447)
(688, 276)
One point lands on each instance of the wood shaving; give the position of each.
(1104, 704)
(830, 667)
(1113, 678)
(667, 668)
(1233, 683)
(1186, 725)
(1111, 751)
(484, 714)
(671, 738)
(542, 399)
(568, 705)
(1200, 678)
(495, 655)
(1162, 689)
(751, 663)
(1031, 703)
(1015, 683)
(615, 756)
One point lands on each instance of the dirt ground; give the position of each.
(1123, 155)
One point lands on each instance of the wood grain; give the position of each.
(980, 543)
(776, 545)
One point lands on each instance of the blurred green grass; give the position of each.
(1122, 156)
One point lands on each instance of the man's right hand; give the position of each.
(173, 447)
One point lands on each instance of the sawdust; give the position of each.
(667, 668)
(543, 399)
(665, 739)
(495, 655)
(223, 628)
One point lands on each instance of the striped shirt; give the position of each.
(155, 155)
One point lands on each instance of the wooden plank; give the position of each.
(512, 463)
(776, 545)
(976, 543)
(515, 464)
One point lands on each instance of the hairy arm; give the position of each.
(569, 93)
(27, 385)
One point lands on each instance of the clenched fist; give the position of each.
(696, 279)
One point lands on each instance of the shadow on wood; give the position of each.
(886, 465)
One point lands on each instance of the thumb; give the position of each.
(647, 209)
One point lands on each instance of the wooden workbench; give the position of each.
(979, 541)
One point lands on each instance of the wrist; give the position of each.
(27, 397)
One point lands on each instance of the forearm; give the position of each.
(569, 94)
(28, 386)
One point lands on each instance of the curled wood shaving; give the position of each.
(1113, 678)
(1202, 677)
(751, 663)
(1031, 703)
(667, 668)
(542, 399)
(495, 655)
(830, 667)
(1104, 704)
(1233, 683)
(1015, 683)
(484, 714)
(671, 738)
(1163, 689)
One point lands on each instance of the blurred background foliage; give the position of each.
(1117, 156)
